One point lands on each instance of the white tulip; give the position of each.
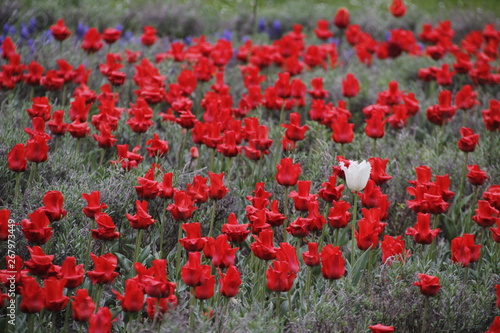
(357, 174)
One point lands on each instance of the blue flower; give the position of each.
(25, 33)
(262, 25)
(276, 30)
(226, 35)
(32, 25)
(81, 29)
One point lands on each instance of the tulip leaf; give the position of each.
(145, 254)
(124, 262)
(359, 266)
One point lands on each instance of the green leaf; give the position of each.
(359, 266)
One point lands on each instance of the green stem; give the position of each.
(285, 212)
(139, 139)
(138, 245)
(212, 159)
(374, 147)
(179, 249)
(432, 250)
(212, 220)
(278, 306)
(289, 293)
(103, 153)
(68, 310)
(192, 302)
(353, 226)
(308, 282)
(424, 320)
(464, 175)
(162, 227)
(16, 189)
(466, 274)
(337, 240)
(31, 322)
(181, 151)
(54, 321)
(89, 245)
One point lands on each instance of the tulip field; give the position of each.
(333, 170)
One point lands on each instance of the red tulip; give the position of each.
(279, 276)
(495, 326)
(93, 204)
(37, 149)
(379, 328)
(393, 249)
(217, 190)
(104, 269)
(141, 220)
(224, 255)
(341, 19)
(330, 192)
(273, 216)
(375, 125)
(92, 41)
(148, 188)
(350, 86)
(53, 201)
(111, 35)
(106, 229)
(157, 147)
(491, 116)
(343, 131)
(422, 233)
(230, 282)
(294, 131)
(133, 298)
(378, 174)
(444, 111)
(317, 91)
(166, 189)
(263, 247)
(148, 38)
(464, 251)
(57, 125)
(73, 274)
(41, 264)
(465, 98)
(492, 195)
(192, 271)
(32, 296)
(428, 284)
(486, 215)
(397, 8)
(332, 262)
(157, 285)
(302, 197)
(198, 190)
(193, 240)
(339, 215)
(83, 307)
(288, 173)
(16, 158)
(495, 232)
(300, 227)
(4, 224)
(100, 322)
(311, 256)
(476, 176)
(207, 287)
(235, 232)
(55, 301)
(60, 31)
(370, 228)
(468, 141)
(36, 229)
(183, 206)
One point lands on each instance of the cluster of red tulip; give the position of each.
(215, 123)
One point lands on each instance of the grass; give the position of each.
(385, 293)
